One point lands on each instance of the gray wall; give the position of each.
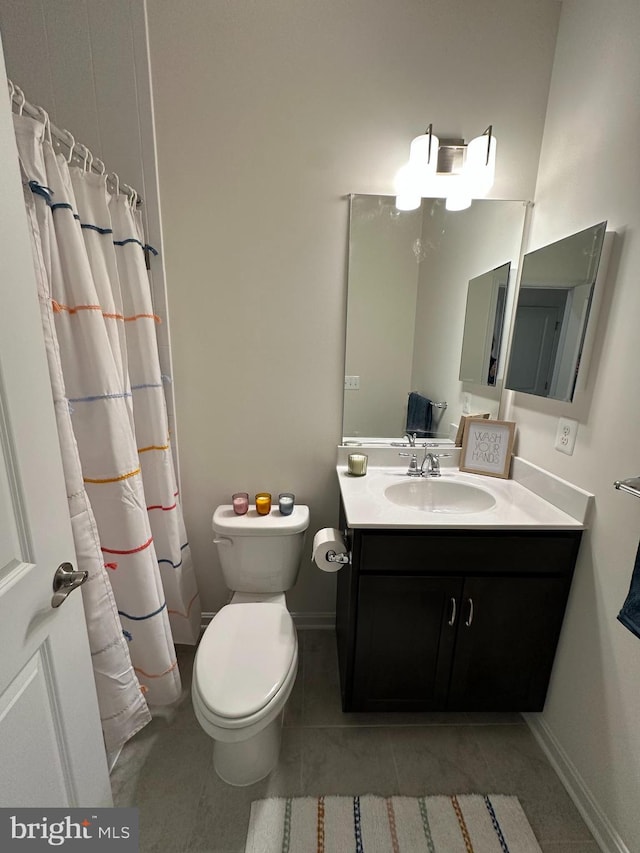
(267, 115)
(588, 173)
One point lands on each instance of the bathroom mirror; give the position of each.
(483, 326)
(554, 307)
(408, 279)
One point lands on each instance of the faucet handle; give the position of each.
(413, 469)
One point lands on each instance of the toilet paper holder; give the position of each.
(332, 557)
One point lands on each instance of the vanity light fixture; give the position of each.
(447, 168)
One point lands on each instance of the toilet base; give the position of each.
(245, 762)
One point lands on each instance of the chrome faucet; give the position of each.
(432, 465)
(431, 461)
(411, 438)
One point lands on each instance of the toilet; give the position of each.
(246, 663)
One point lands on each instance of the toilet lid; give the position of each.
(244, 657)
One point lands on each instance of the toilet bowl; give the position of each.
(247, 659)
(244, 672)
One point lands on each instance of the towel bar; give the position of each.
(631, 485)
(441, 405)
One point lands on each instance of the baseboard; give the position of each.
(303, 621)
(325, 621)
(604, 833)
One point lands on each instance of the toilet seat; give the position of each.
(244, 658)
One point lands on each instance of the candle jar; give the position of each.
(357, 464)
(240, 503)
(286, 500)
(263, 503)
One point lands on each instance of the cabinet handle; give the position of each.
(453, 612)
(470, 616)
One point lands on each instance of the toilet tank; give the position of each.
(260, 553)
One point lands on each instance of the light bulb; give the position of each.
(459, 200)
(408, 201)
(407, 189)
(423, 158)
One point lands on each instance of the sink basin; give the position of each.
(440, 495)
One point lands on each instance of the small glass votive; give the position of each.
(263, 503)
(286, 501)
(357, 464)
(240, 503)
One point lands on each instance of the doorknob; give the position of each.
(65, 581)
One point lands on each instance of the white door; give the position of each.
(51, 747)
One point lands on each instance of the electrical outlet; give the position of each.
(566, 435)
(351, 383)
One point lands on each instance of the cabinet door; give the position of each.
(507, 635)
(404, 642)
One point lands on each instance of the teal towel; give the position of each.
(630, 613)
(418, 415)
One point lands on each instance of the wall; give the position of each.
(589, 172)
(267, 115)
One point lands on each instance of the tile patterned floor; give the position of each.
(166, 770)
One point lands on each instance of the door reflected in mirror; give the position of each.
(552, 315)
(483, 326)
(408, 279)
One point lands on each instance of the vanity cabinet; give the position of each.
(451, 620)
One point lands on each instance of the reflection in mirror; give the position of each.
(483, 326)
(554, 305)
(408, 278)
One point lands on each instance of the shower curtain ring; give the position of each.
(116, 180)
(72, 145)
(132, 195)
(102, 167)
(88, 156)
(12, 92)
(47, 123)
(22, 95)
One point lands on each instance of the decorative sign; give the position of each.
(462, 425)
(487, 447)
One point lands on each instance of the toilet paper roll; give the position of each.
(327, 540)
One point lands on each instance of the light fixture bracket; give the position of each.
(451, 156)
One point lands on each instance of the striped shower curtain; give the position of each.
(99, 329)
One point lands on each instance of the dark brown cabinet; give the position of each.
(451, 620)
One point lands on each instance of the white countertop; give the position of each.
(516, 507)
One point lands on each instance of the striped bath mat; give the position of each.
(368, 824)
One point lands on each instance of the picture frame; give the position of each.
(487, 447)
(464, 420)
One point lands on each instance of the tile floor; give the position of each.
(166, 770)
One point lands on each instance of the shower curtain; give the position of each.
(99, 329)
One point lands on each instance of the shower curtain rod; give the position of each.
(64, 137)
